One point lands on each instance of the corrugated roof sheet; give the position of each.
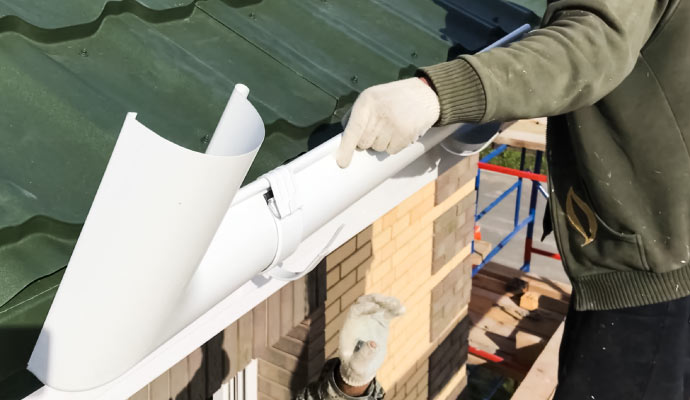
(72, 69)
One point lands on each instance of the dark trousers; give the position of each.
(639, 353)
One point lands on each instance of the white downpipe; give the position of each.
(255, 235)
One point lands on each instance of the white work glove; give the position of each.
(364, 337)
(389, 117)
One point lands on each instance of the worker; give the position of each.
(362, 348)
(613, 76)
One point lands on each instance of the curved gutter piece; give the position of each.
(156, 211)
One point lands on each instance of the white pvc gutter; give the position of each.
(282, 224)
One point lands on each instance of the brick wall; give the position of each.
(447, 364)
(293, 361)
(417, 252)
(200, 374)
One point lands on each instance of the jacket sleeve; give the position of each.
(325, 387)
(584, 50)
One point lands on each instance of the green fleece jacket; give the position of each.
(614, 78)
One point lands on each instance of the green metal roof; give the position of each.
(72, 69)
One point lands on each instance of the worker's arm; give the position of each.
(330, 386)
(586, 48)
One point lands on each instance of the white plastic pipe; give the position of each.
(247, 239)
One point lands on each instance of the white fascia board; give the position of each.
(359, 215)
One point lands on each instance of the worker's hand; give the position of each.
(364, 337)
(389, 117)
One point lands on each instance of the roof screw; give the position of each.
(252, 15)
(414, 54)
(354, 79)
(84, 53)
(205, 139)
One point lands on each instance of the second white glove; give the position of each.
(389, 117)
(364, 337)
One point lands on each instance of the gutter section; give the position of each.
(356, 217)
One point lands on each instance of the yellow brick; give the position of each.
(332, 311)
(364, 236)
(412, 231)
(333, 327)
(331, 347)
(363, 270)
(351, 295)
(416, 378)
(341, 287)
(421, 296)
(380, 239)
(424, 207)
(413, 201)
(389, 219)
(380, 269)
(400, 225)
(332, 277)
(386, 280)
(341, 253)
(385, 252)
(355, 260)
(377, 226)
(408, 290)
(414, 260)
(411, 251)
(408, 284)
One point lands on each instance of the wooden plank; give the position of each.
(502, 301)
(506, 368)
(179, 379)
(541, 380)
(547, 287)
(482, 248)
(533, 301)
(489, 283)
(540, 327)
(490, 341)
(528, 347)
(488, 324)
(529, 134)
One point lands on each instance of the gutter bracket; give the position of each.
(286, 207)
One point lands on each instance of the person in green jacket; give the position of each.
(613, 76)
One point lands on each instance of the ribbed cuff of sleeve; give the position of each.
(459, 89)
